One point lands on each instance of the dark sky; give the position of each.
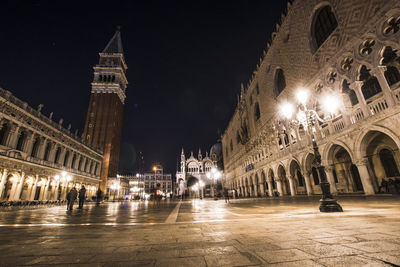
(185, 61)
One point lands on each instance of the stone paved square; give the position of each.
(245, 232)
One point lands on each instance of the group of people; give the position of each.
(73, 194)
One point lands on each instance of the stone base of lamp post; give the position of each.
(327, 202)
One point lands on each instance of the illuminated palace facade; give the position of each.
(345, 47)
(39, 158)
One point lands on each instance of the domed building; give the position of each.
(199, 177)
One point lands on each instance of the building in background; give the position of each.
(143, 185)
(117, 188)
(349, 48)
(39, 158)
(200, 171)
(104, 117)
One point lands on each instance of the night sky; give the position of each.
(185, 65)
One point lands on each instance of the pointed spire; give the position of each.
(200, 156)
(115, 44)
(183, 152)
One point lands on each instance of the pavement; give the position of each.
(245, 232)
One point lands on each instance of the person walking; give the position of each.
(226, 195)
(68, 199)
(72, 197)
(82, 196)
(98, 197)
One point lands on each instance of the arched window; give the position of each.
(280, 82)
(47, 151)
(315, 175)
(392, 75)
(57, 157)
(389, 163)
(21, 141)
(237, 138)
(370, 85)
(80, 164)
(3, 133)
(66, 158)
(324, 23)
(392, 62)
(73, 161)
(86, 165)
(35, 147)
(257, 112)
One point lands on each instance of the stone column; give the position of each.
(387, 92)
(34, 186)
(56, 190)
(361, 100)
(17, 194)
(279, 187)
(262, 189)
(308, 184)
(331, 179)
(270, 187)
(292, 186)
(365, 178)
(46, 189)
(13, 188)
(3, 181)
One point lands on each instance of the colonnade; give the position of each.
(15, 186)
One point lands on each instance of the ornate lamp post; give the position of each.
(308, 117)
(114, 187)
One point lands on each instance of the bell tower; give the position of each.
(104, 117)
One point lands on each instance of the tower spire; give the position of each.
(114, 46)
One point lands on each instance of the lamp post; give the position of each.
(215, 175)
(308, 117)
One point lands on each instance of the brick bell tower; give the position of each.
(104, 117)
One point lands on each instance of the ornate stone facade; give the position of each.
(39, 158)
(346, 47)
(193, 170)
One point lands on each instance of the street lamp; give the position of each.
(307, 117)
(214, 175)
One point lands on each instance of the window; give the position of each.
(257, 112)
(66, 158)
(257, 89)
(3, 133)
(231, 145)
(21, 141)
(73, 161)
(370, 85)
(324, 24)
(35, 147)
(47, 151)
(237, 138)
(57, 157)
(280, 82)
(392, 75)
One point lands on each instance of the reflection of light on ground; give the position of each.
(203, 210)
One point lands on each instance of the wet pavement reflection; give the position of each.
(245, 232)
